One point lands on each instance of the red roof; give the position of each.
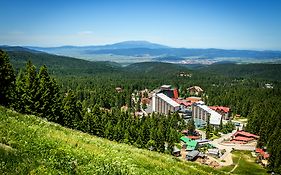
(238, 142)
(241, 138)
(194, 137)
(259, 150)
(264, 154)
(184, 102)
(245, 134)
(220, 108)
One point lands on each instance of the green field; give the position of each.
(245, 164)
(30, 145)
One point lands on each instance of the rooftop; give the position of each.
(220, 108)
(193, 99)
(246, 134)
(213, 151)
(215, 118)
(191, 144)
(264, 154)
(166, 86)
(193, 153)
(244, 139)
(168, 100)
(197, 88)
(184, 102)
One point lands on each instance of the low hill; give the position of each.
(156, 68)
(262, 71)
(57, 64)
(30, 145)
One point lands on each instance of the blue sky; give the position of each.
(230, 24)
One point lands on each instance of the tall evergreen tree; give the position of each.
(7, 79)
(72, 111)
(208, 128)
(18, 103)
(31, 87)
(27, 85)
(191, 126)
(47, 96)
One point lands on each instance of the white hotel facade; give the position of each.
(163, 104)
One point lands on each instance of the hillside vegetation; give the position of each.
(58, 65)
(262, 71)
(63, 66)
(30, 145)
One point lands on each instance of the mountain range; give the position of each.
(128, 52)
(140, 51)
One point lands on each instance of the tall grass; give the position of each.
(30, 145)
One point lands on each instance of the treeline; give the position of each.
(261, 71)
(58, 65)
(35, 92)
(265, 120)
(150, 132)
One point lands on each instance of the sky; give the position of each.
(228, 24)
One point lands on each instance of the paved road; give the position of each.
(227, 156)
(202, 133)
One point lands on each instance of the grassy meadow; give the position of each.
(245, 164)
(31, 145)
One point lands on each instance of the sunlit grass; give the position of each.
(35, 146)
(245, 165)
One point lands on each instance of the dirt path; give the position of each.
(202, 133)
(236, 165)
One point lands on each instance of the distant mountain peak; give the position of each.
(136, 44)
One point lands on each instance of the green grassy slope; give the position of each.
(244, 163)
(30, 145)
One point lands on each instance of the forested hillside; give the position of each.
(262, 71)
(58, 65)
(90, 103)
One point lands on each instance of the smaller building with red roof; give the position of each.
(193, 99)
(262, 155)
(224, 111)
(184, 103)
(243, 137)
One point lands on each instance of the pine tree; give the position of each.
(208, 128)
(72, 111)
(191, 126)
(7, 80)
(160, 140)
(31, 88)
(172, 139)
(127, 138)
(47, 96)
(108, 130)
(27, 84)
(18, 103)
